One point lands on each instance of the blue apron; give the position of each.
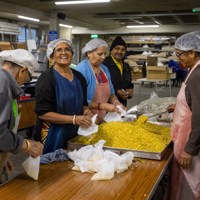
(69, 101)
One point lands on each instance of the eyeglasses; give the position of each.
(65, 50)
(180, 54)
(30, 76)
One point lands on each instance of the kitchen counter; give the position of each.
(28, 116)
(58, 182)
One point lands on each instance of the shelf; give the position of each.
(142, 49)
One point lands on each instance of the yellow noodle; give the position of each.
(131, 135)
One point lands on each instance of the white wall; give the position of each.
(66, 33)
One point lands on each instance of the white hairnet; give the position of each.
(51, 46)
(189, 41)
(93, 44)
(21, 57)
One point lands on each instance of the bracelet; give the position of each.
(28, 145)
(74, 120)
(99, 106)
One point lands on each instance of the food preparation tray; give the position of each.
(71, 145)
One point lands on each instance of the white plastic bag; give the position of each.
(88, 131)
(122, 111)
(106, 172)
(32, 166)
(113, 117)
(95, 159)
(84, 153)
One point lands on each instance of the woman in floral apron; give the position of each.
(185, 131)
(101, 95)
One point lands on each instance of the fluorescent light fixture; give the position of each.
(28, 18)
(80, 2)
(156, 22)
(65, 25)
(143, 26)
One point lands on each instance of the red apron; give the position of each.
(180, 130)
(101, 95)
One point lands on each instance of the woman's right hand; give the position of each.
(108, 107)
(84, 121)
(171, 108)
(34, 148)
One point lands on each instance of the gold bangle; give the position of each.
(28, 145)
(74, 120)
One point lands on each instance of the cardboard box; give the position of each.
(158, 73)
(152, 60)
(136, 75)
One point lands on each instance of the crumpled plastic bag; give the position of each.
(95, 159)
(121, 162)
(155, 105)
(114, 116)
(84, 153)
(32, 167)
(106, 172)
(88, 131)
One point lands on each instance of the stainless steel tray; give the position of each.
(138, 154)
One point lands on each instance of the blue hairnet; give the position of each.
(93, 44)
(21, 57)
(51, 46)
(189, 41)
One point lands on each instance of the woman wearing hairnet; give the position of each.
(60, 96)
(16, 69)
(101, 95)
(185, 130)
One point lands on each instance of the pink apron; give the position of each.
(180, 130)
(101, 95)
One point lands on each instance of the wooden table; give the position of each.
(58, 182)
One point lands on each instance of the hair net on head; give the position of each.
(189, 41)
(21, 57)
(51, 46)
(93, 44)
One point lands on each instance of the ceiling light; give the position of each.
(28, 18)
(65, 25)
(143, 26)
(80, 2)
(156, 22)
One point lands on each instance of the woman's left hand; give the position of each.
(88, 113)
(84, 121)
(185, 159)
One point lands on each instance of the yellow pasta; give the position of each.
(131, 135)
